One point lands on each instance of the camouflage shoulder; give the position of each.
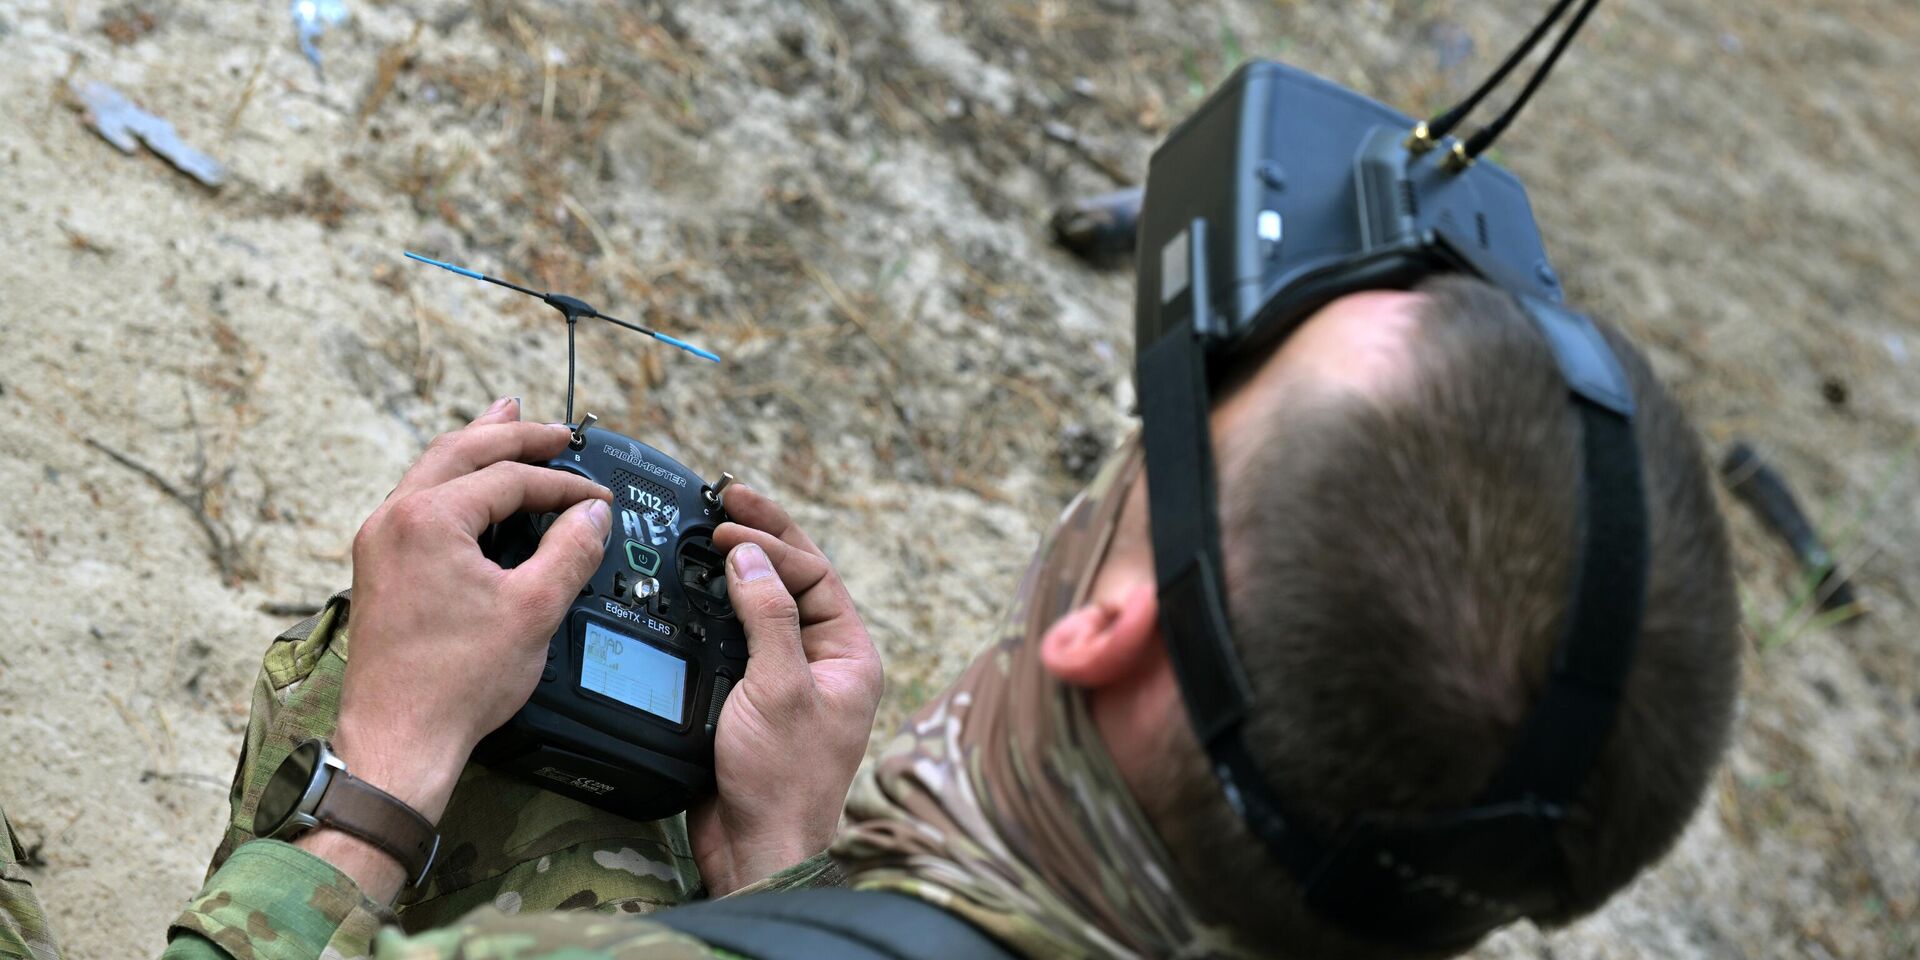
(24, 931)
(296, 697)
(546, 936)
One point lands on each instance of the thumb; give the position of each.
(569, 553)
(776, 664)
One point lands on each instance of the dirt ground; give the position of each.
(848, 200)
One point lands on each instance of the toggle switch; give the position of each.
(580, 432)
(715, 492)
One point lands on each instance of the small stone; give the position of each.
(1080, 449)
(1834, 390)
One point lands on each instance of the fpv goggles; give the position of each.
(1282, 193)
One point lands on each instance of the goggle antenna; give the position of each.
(1429, 133)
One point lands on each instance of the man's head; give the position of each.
(1399, 507)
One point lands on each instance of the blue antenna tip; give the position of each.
(688, 347)
(463, 271)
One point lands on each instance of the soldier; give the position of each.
(24, 933)
(1396, 514)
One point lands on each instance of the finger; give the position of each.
(776, 664)
(462, 452)
(808, 576)
(498, 491)
(504, 410)
(750, 507)
(569, 553)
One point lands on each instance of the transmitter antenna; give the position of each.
(573, 309)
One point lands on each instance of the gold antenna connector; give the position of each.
(1421, 139)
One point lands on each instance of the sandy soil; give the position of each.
(848, 200)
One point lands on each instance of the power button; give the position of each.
(642, 558)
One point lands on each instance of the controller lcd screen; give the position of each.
(635, 673)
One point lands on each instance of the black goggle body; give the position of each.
(1310, 191)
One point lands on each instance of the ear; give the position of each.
(1108, 640)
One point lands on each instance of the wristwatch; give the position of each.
(312, 788)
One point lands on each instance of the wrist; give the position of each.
(379, 875)
(418, 771)
(749, 861)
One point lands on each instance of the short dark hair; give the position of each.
(1399, 569)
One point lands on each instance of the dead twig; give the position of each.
(392, 60)
(854, 314)
(935, 465)
(81, 242)
(221, 542)
(184, 776)
(848, 84)
(246, 91)
(600, 237)
(1070, 138)
(426, 369)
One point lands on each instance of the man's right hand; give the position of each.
(445, 645)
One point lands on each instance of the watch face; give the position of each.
(282, 795)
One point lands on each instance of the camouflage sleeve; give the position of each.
(489, 933)
(504, 842)
(273, 900)
(24, 933)
(818, 870)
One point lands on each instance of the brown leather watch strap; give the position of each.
(370, 813)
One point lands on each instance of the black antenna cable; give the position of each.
(1484, 137)
(1429, 132)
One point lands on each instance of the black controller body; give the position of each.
(625, 712)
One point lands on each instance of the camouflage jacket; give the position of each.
(24, 934)
(275, 901)
(506, 845)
